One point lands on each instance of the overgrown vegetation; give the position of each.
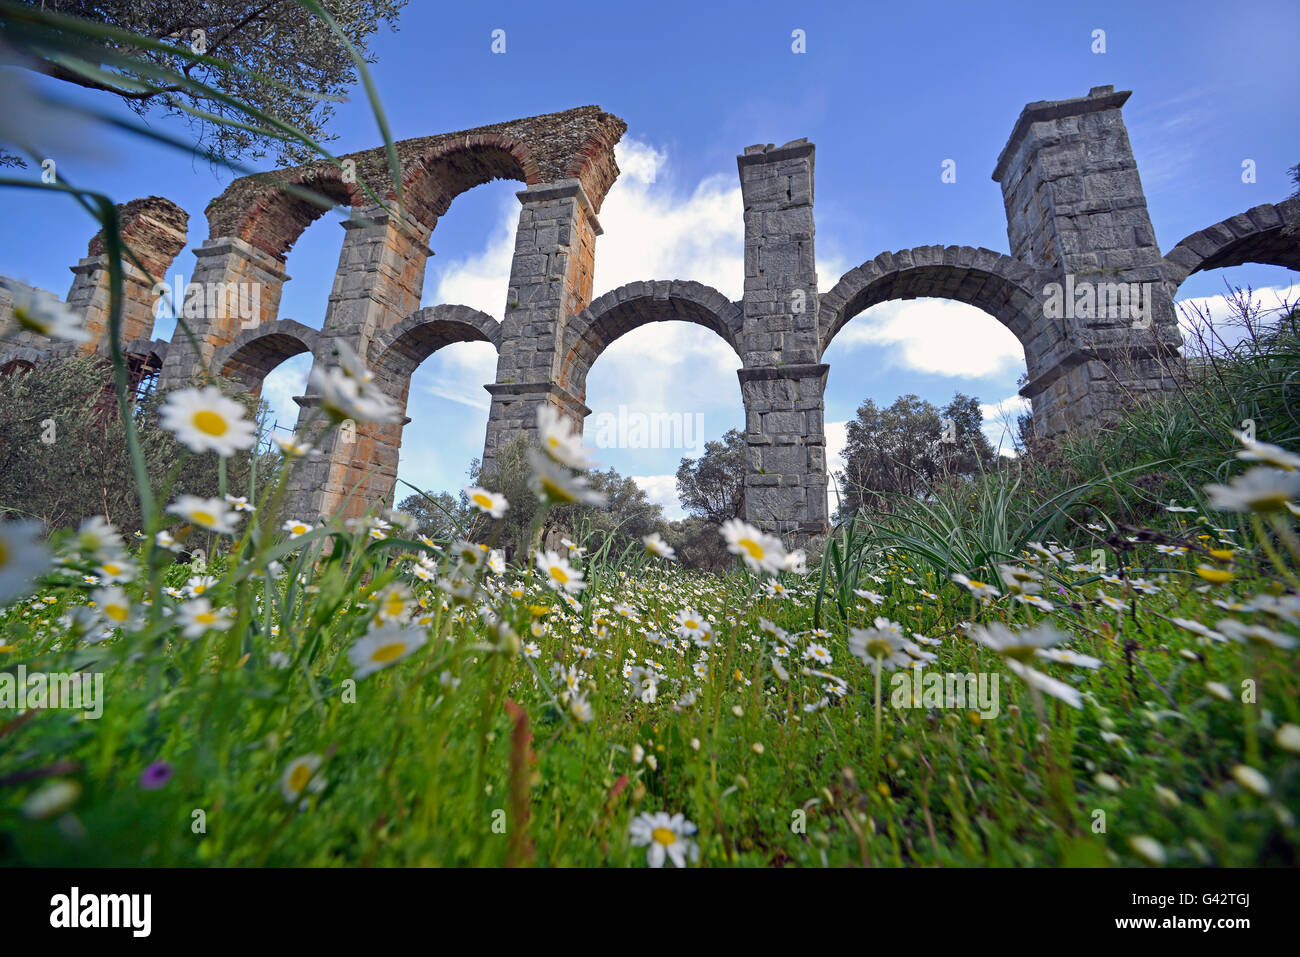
(384, 700)
(63, 450)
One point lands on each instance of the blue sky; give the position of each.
(887, 91)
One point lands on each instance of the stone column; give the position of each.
(550, 280)
(230, 278)
(153, 229)
(783, 381)
(379, 282)
(1076, 211)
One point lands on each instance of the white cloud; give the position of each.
(1000, 422)
(285, 381)
(481, 279)
(662, 489)
(937, 336)
(1219, 310)
(457, 373)
(837, 437)
(654, 232)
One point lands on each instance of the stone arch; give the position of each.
(577, 143)
(260, 211)
(635, 304)
(435, 177)
(1268, 234)
(1005, 288)
(393, 357)
(397, 352)
(255, 352)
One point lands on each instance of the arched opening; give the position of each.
(447, 369)
(952, 338)
(448, 416)
(656, 362)
(273, 359)
(1221, 276)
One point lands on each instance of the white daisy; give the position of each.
(210, 513)
(44, 313)
(878, 648)
(198, 616)
(23, 556)
(490, 502)
(114, 606)
(654, 544)
(1017, 645)
(204, 420)
(1260, 489)
(301, 776)
(668, 838)
(977, 588)
(348, 395)
(295, 528)
(558, 573)
(383, 646)
(559, 440)
(98, 536)
(760, 551)
(1268, 454)
(555, 484)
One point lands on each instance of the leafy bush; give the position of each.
(63, 450)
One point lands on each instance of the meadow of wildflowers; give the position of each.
(350, 693)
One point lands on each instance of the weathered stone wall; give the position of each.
(153, 230)
(1076, 211)
(782, 382)
(550, 280)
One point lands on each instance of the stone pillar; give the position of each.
(1076, 211)
(230, 278)
(154, 230)
(783, 381)
(379, 282)
(550, 280)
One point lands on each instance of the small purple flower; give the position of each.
(156, 775)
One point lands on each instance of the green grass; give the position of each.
(465, 754)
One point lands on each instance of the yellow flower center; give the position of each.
(482, 500)
(300, 529)
(4, 554)
(203, 518)
(877, 648)
(299, 777)
(559, 574)
(206, 617)
(210, 423)
(664, 836)
(386, 653)
(116, 612)
(755, 550)
(557, 491)
(691, 623)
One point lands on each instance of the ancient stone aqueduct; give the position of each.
(1074, 207)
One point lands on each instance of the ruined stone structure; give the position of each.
(1076, 216)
